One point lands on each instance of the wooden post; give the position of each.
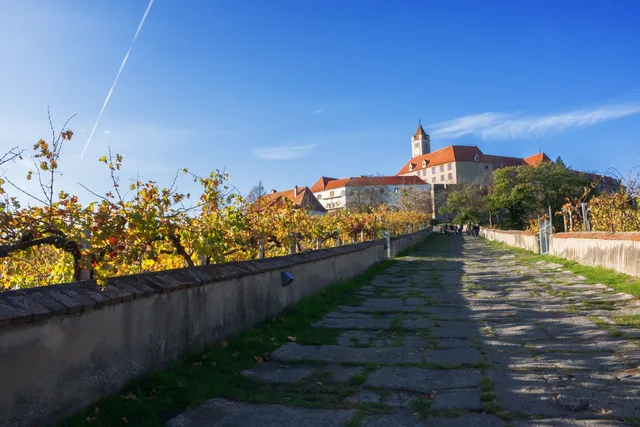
(261, 248)
(85, 273)
(294, 245)
(318, 243)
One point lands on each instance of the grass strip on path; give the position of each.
(214, 372)
(615, 280)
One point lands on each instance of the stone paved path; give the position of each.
(458, 334)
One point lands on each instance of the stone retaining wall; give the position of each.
(62, 347)
(619, 251)
(518, 239)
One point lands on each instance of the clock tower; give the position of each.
(420, 143)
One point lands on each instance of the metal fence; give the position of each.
(546, 229)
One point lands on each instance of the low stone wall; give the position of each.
(400, 244)
(62, 347)
(619, 251)
(518, 239)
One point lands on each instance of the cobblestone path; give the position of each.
(458, 334)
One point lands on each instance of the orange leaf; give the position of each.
(292, 339)
(224, 344)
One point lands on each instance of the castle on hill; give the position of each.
(467, 163)
(425, 171)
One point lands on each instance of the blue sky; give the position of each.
(287, 90)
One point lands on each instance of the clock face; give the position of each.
(416, 151)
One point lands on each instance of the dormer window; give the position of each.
(424, 163)
(411, 166)
(476, 157)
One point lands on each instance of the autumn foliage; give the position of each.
(144, 227)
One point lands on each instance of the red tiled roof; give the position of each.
(448, 154)
(330, 183)
(321, 184)
(536, 159)
(419, 132)
(467, 153)
(301, 200)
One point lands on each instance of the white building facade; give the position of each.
(353, 193)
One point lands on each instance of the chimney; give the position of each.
(295, 191)
(274, 191)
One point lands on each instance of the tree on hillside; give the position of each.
(524, 192)
(363, 199)
(465, 202)
(413, 199)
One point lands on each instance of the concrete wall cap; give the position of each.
(29, 305)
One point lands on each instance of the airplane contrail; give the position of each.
(124, 61)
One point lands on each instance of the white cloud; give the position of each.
(464, 125)
(107, 132)
(284, 152)
(511, 126)
(318, 112)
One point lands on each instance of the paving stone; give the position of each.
(381, 309)
(565, 422)
(333, 323)
(228, 413)
(365, 396)
(523, 392)
(404, 419)
(355, 338)
(526, 332)
(339, 315)
(415, 301)
(341, 374)
(414, 341)
(272, 372)
(423, 380)
(454, 343)
(457, 330)
(400, 399)
(573, 328)
(469, 400)
(366, 293)
(454, 356)
(417, 323)
(394, 303)
(337, 354)
(468, 420)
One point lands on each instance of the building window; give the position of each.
(331, 194)
(433, 170)
(441, 177)
(319, 196)
(424, 163)
(441, 168)
(424, 172)
(449, 166)
(486, 167)
(433, 179)
(451, 176)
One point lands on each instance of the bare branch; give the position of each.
(24, 192)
